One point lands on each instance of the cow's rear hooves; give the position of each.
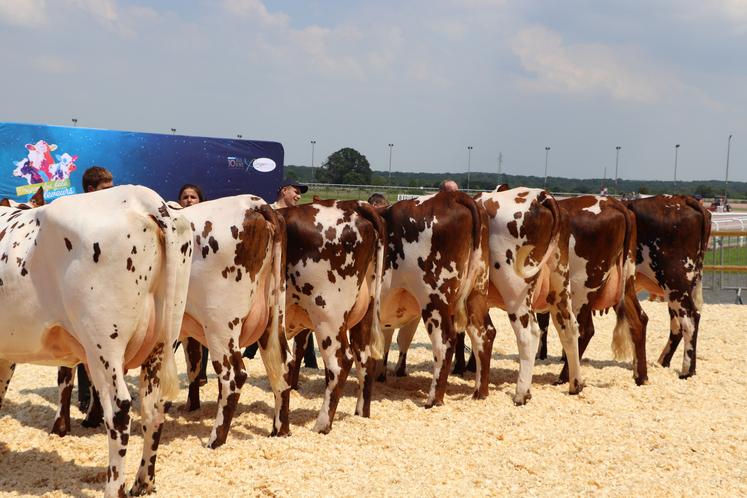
(576, 389)
(281, 433)
(641, 381)
(479, 395)
(686, 376)
(522, 399)
(142, 489)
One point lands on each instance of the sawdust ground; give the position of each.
(671, 437)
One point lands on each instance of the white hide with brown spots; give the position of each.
(99, 278)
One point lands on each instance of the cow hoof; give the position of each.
(60, 427)
(686, 376)
(576, 387)
(283, 432)
(215, 444)
(142, 489)
(641, 381)
(560, 381)
(91, 423)
(479, 395)
(322, 429)
(434, 403)
(522, 399)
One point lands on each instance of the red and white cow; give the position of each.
(334, 271)
(602, 271)
(99, 278)
(437, 269)
(528, 247)
(672, 234)
(236, 297)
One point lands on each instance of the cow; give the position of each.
(437, 269)
(602, 254)
(25, 170)
(334, 271)
(64, 166)
(235, 298)
(529, 272)
(40, 156)
(672, 238)
(99, 278)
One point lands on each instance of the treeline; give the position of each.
(488, 181)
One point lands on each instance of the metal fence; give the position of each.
(725, 268)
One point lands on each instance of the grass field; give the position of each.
(734, 255)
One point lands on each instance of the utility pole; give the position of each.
(500, 163)
(547, 154)
(469, 163)
(390, 164)
(313, 143)
(726, 178)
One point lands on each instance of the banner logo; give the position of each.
(263, 164)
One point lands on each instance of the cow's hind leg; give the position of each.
(229, 366)
(527, 338)
(6, 373)
(274, 352)
(65, 378)
(299, 349)
(440, 327)
(482, 334)
(193, 357)
(107, 377)
(337, 361)
(365, 365)
(152, 418)
(586, 332)
(459, 363)
(543, 320)
(689, 320)
(404, 338)
(381, 366)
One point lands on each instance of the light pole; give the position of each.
(390, 164)
(75, 122)
(547, 154)
(173, 131)
(676, 150)
(313, 144)
(500, 164)
(617, 161)
(469, 163)
(726, 178)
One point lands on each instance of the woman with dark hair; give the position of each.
(190, 195)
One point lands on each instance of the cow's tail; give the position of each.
(622, 338)
(547, 201)
(473, 263)
(178, 248)
(705, 233)
(277, 347)
(377, 335)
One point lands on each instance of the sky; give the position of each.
(432, 77)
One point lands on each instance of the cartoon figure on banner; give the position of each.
(40, 155)
(39, 159)
(64, 166)
(25, 170)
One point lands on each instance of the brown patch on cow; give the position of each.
(320, 301)
(234, 232)
(327, 342)
(523, 194)
(254, 240)
(509, 256)
(518, 215)
(524, 319)
(330, 233)
(213, 244)
(513, 228)
(307, 288)
(96, 252)
(68, 244)
(491, 206)
(207, 229)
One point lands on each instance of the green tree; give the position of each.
(345, 166)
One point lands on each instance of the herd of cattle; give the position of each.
(115, 278)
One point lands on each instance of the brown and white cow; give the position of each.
(601, 250)
(334, 270)
(99, 278)
(437, 269)
(529, 271)
(672, 234)
(236, 297)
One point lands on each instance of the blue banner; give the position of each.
(55, 157)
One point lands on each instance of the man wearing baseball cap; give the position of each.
(289, 193)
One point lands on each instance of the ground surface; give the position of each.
(671, 437)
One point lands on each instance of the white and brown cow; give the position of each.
(437, 269)
(602, 271)
(528, 246)
(672, 233)
(99, 278)
(236, 297)
(334, 271)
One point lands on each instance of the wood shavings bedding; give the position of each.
(670, 437)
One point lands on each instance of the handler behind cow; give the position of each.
(99, 278)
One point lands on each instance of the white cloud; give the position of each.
(27, 13)
(52, 65)
(255, 9)
(585, 68)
